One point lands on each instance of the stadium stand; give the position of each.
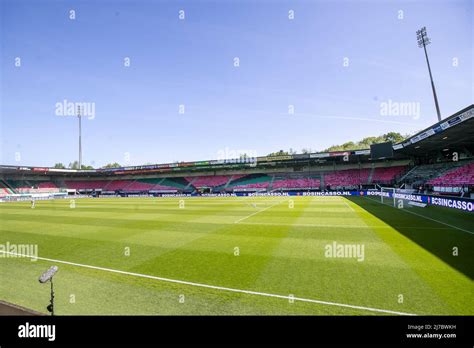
(115, 185)
(449, 174)
(251, 182)
(124, 185)
(86, 185)
(155, 184)
(176, 183)
(30, 186)
(455, 177)
(387, 175)
(422, 174)
(5, 189)
(135, 186)
(295, 183)
(47, 185)
(18, 184)
(208, 180)
(346, 178)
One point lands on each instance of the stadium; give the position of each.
(223, 236)
(380, 230)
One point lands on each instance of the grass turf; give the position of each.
(281, 250)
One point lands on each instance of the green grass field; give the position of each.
(408, 264)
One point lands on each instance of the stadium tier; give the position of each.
(422, 174)
(123, 185)
(86, 185)
(133, 186)
(115, 185)
(351, 177)
(456, 177)
(208, 181)
(452, 174)
(4, 189)
(386, 175)
(252, 181)
(47, 185)
(299, 183)
(30, 186)
(260, 185)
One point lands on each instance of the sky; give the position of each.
(310, 74)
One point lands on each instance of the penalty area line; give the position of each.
(183, 282)
(246, 217)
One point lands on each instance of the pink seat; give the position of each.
(208, 181)
(349, 177)
(456, 177)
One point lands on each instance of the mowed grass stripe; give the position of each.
(219, 288)
(346, 278)
(89, 227)
(429, 255)
(113, 250)
(99, 293)
(238, 263)
(284, 258)
(228, 249)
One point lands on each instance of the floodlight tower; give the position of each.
(80, 136)
(424, 40)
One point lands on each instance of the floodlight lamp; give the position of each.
(48, 275)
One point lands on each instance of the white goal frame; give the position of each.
(386, 200)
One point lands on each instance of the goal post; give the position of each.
(400, 198)
(387, 196)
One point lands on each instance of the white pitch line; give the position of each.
(339, 226)
(249, 292)
(246, 217)
(347, 204)
(427, 218)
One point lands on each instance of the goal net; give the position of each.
(387, 196)
(400, 198)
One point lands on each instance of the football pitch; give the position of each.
(239, 256)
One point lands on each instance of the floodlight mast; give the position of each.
(424, 40)
(80, 137)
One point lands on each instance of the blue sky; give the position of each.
(283, 62)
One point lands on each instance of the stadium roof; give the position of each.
(454, 132)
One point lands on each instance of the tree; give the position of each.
(365, 143)
(279, 153)
(74, 165)
(394, 137)
(59, 166)
(112, 165)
